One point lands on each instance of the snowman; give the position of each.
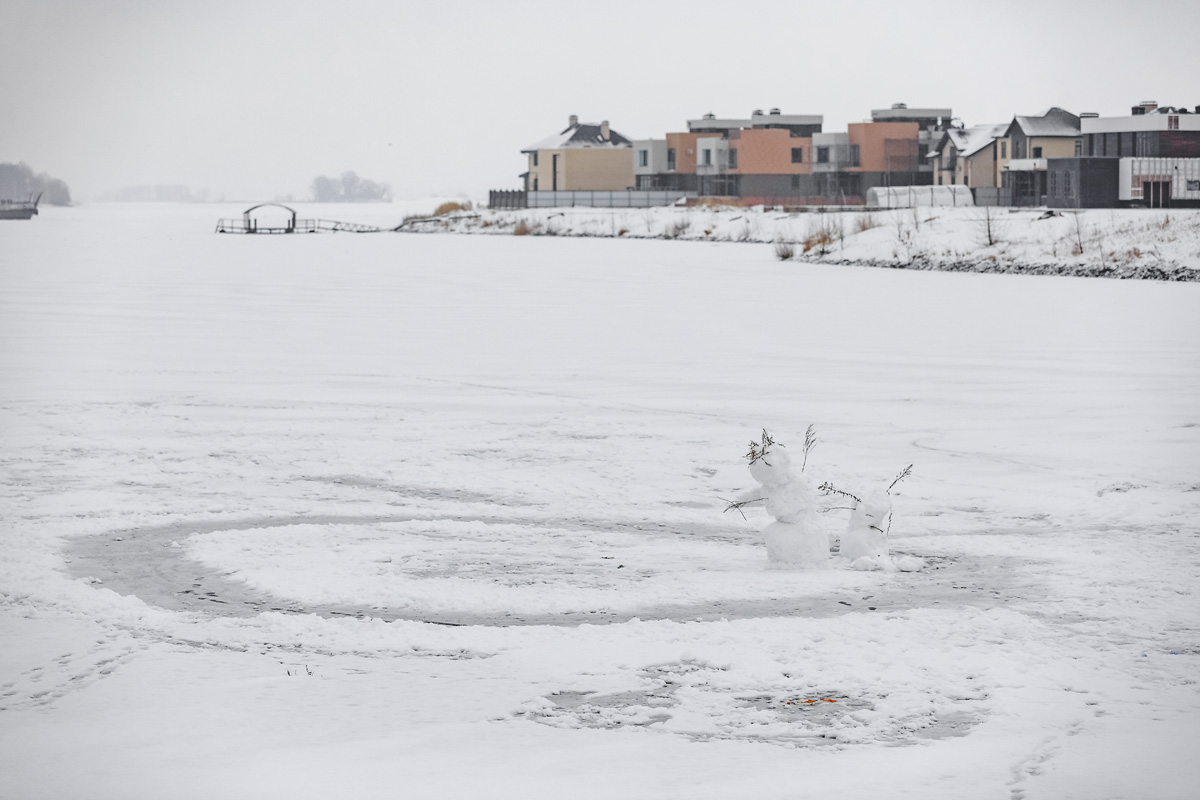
(865, 536)
(796, 539)
(865, 542)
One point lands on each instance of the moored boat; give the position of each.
(19, 209)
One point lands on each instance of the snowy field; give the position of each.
(421, 516)
(1111, 243)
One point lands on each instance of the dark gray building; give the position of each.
(1082, 182)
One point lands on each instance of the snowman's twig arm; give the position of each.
(904, 473)
(829, 488)
(738, 505)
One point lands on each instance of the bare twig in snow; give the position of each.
(810, 441)
(904, 473)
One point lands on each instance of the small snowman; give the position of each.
(796, 539)
(865, 536)
(865, 542)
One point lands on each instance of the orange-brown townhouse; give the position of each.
(773, 158)
(767, 155)
(889, 150)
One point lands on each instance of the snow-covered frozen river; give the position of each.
(243, 475)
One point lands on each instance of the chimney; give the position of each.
(574, 120)
(604, 133)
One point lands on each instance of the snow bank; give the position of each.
(1126, 243)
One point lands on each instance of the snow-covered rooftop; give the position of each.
(580, 134)
(969, 141)
(978, 137)
(1054, 122)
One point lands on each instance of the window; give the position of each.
(534, 157)
(939, 180)
(670, 158)
(1078, 147)
(1066, 184)
(1004, 149)
(822, 155)
(1143, 144)
(797, 155)
(732, 158)
(535, 188)
(707, 161)
(852, 160)
(1053, 184)
(1037, 152)
(1172, 123)
(643, 158)
(795, 181)
(964, 180)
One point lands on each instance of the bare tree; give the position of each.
(991, 230)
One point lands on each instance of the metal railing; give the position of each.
(632, 198)
(301, 226)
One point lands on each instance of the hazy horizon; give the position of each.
(253, 101)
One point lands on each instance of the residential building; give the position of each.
(771, 159)
(1082, 182)
(967, 156)
(867, 155)
(1026, 145)
(649, 161)
(931, 123)
(583, 156)
(758, 156)
(1149, 157)
(1150, 131)
(782, 158)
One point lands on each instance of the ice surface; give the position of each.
(292, 412)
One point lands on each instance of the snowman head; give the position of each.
(873, 509)
(772, 466)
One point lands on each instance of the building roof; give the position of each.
(580, 134)
(902, 113)
(980, 136)
(969, 141)
(1054, 122)
(775, 118)
(710, 123)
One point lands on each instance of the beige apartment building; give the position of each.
(968, 156)
(585, 156)
(1024, 148)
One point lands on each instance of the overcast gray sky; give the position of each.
(253, 98)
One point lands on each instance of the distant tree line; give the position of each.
(162, 193)
(349, 189)
(19, 181)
